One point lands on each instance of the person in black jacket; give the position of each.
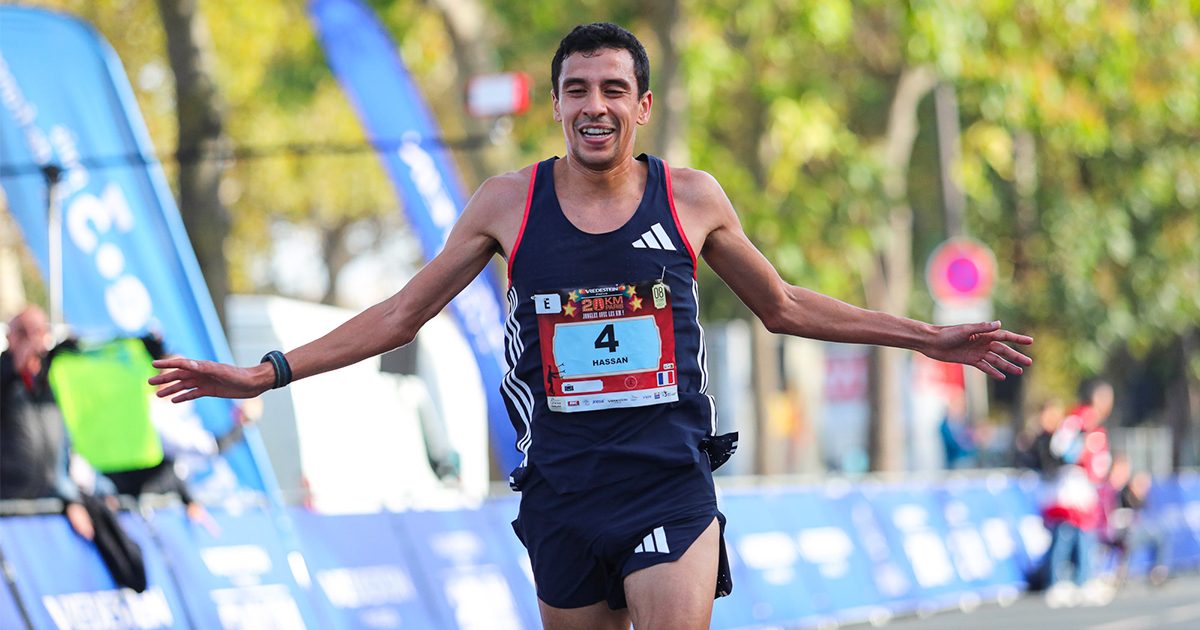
(33, 443)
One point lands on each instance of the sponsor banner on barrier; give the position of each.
(844, 576)
(65, 585)
(10, 615)
(472, 582)
(362, 569)
(238, 575)
(890, 575)
(912, 523)
(1189, 496)
(1175, 508)
(500, 513)
(1017, 503)
(982, 542)
(769, 586)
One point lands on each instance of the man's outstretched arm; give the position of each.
(792, 310)
(382, 327)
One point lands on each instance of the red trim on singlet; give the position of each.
(524, 220)
(678, 225)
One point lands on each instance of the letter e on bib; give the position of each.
(547, 303)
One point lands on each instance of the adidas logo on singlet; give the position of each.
(655, 542)
(655, 238)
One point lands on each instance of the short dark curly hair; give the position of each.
(588, 38)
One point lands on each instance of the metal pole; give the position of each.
(53, 176)
(955, 209)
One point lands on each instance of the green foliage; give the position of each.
(1110, 92)
(788, 109)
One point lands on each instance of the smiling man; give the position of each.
(608, 373)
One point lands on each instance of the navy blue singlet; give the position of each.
(608, 372)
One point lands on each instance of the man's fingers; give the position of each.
(1010, 354)
(166, 377)
(1000, 363)
(1006, 336)
(1012, 337)
(186, 396)
(982, 328)
(174, 375)
(990, 370)
(174, 388)
(178, 362)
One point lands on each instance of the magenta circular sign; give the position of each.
(961, 271)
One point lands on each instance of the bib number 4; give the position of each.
(607, 339)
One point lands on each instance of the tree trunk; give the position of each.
(1183, 401)
(467, 23)
(336, 256)
(954, 203)
(201, 141)
(770, 455)
(1025, 187)
(889, 280)
(670, 108)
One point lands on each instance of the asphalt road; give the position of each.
(1172, 606)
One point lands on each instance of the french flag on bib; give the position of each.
(666, 378)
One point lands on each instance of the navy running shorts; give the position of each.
(583, 544)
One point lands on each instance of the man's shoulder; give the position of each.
(507, 189)
(695, 187)
(700, 200)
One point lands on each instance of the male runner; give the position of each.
(608, 372)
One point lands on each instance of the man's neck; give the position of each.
(612, 179)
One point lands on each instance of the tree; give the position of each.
(202, 140)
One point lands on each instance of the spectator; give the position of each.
(1126, 530)
(958, 437)
(1078, 450)
(33, 443)
(34, 452)
(1039, 456)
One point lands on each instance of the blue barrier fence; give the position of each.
(801, 556)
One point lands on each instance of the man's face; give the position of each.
(599, 106)
(1102, 402)
(27, 340)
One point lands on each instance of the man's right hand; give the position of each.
(80, 521)
(197, 379)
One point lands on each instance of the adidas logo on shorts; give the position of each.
(655, 238)
(655, 542)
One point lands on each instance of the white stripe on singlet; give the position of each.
(702, 359)
(513, 388)
(701, 356)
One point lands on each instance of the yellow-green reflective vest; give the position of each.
(105, 400)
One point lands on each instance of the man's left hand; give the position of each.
(982, 346)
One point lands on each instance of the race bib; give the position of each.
(607, 347)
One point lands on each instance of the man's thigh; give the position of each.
(677, 595)
(598, 616)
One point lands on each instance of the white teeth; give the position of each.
(596, 132)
